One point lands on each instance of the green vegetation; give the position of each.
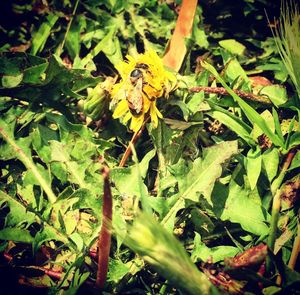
(206, 202)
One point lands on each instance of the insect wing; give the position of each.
(135, 97)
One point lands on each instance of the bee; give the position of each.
(134, 95)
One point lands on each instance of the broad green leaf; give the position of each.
(233, 46)
(49, 233)
(78, 241)
(253, 166)
(30, 178)
(202, 222)
(278, 68)
(203, 253)
(75, 170)
(117, 270)
(198, 33)
(276, 93)
(294, 140)
(126, 179)
(240, 208)
(16, 235)
(270, 159)
(198, 177)
(169, 145)
(180, 125)
(18, 212)
(143, 196)
(234, 73)
(11, 81)
(34, 74)
(28, 195)
(183, 107)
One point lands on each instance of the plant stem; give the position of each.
(133, 140)
(61, 46)
(49, 272)
(162, 169)
(274, 219)
(296, 249)
(104, 239)
(223, 91)
(30, 166)
(276, 191)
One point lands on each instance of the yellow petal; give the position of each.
(147, 104)
(127, 117)
(121, 109)
(158, 113)
(136, 123)
(153, 115)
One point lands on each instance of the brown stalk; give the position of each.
(223, 91)
(104, 239)
(176, 50)
(295, 251)
(133, 140)
(49, 272)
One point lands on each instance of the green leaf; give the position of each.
(40, 37)
(27, 161)
(16, 235)
(20, 214)
(203, 253)
(161, 249)
(78, 241)
(11, 81)
(276, 93)
(252, 115)
(234, 73)
(253, 166)
(296, 161)
(240, 208)
(270, 159)
(74, 34)
(33, 74)
(199, 177)
(233, 46)
(126, 179)
(117, 270)
(232, 122)
(10, 66)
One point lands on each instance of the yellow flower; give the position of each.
(143, 80)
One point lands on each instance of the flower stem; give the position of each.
(104, 239)
(223, 91)
(296, 249)
(133, 140)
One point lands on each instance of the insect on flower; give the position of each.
(134, 96)
(143, 80)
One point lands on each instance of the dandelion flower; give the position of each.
(143, 80)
